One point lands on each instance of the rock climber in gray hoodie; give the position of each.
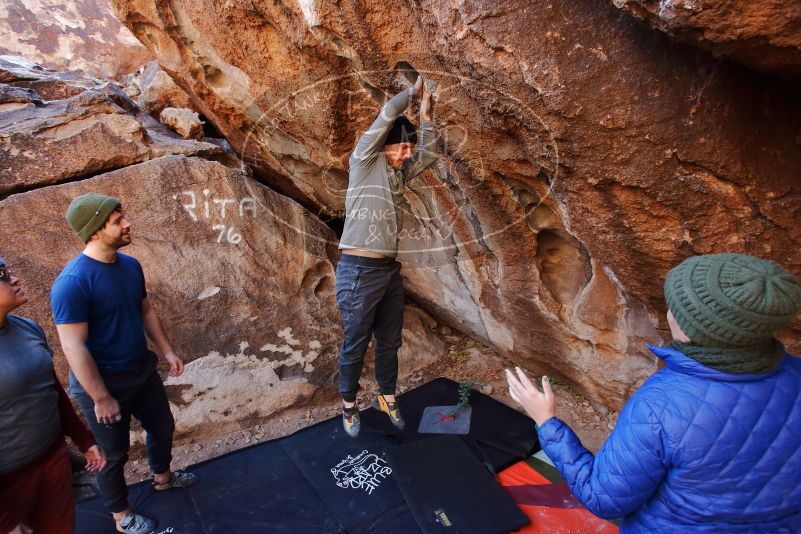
(369, 285)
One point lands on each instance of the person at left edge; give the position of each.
(35, 415)
(102, 314)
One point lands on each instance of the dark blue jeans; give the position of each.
(370, 297)
(141, 394)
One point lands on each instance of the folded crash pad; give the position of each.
(450, 491)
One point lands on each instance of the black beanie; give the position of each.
(402, 131)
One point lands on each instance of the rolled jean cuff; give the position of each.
(118, 506)
(349, 397)
(160, 467)
(387, 390)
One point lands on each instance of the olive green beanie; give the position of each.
(731, 300)
(88, 213)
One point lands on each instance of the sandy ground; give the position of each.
(466, 360)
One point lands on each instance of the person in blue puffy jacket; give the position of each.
(712, 441)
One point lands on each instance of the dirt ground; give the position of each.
(466, 360)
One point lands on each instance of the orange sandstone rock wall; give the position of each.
(584, 154)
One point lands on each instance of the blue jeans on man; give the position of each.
(141, 394)
(370, 296)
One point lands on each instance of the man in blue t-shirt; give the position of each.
(102, 314)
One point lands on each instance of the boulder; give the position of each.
(584, 155)
(182, 121)
(17, 97)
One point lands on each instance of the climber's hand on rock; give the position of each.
(539, 405)
(419, 86)
(426, 104)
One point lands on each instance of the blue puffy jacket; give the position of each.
(694, 450)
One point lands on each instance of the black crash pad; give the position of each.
(450, 491)
(319, 479)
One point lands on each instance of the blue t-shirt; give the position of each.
(109, 297)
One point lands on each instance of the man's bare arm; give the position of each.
(155, 332)
(73, 343)
(154, 329)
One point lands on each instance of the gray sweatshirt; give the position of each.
(375, 189)
(29, 419)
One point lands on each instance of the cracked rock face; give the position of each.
(763, 34)
(584, 155)
(45, 141)
(17, 71)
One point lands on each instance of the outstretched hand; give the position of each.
(539, 405)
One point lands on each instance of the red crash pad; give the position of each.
(549, 504)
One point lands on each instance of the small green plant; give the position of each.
(553, 381)
(464, 393)
(464, 397)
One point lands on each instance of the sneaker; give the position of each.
(178, 479)
(390, 408)
(134, 523)
(351, 421)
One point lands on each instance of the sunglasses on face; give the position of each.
(5, 275)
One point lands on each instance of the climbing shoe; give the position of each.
(390, 408)
(351, 421)
(134, 523)
(178, 479)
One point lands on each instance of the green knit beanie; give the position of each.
(731, 300)
(88, 213)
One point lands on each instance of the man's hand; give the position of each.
(540, 406)
(426, 101)
(176, 363)
(107, 410)
(95, 459)
(21, 529)
(419, 86)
